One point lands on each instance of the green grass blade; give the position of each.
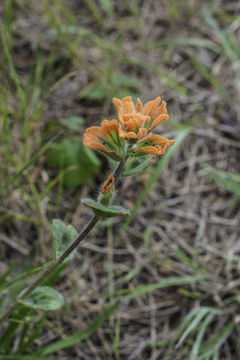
(4, 275)
(94, 8)
(198, 42)
(228, 43)
(187, 260)
(23, 276)
(200, 335)
(229, 180)
(81, 335)
(193, 325)
(207, 75)
(13, 73)
(216, 341)
(172, 281)
(117, 337)
(28, 163)
(34, 334)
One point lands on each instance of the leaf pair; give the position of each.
(45, 297)
(105, 211)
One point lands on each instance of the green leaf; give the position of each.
(72, 155)
(63, 236)
(43, 298)
(136, 165)
(105, 211)
(72, 123)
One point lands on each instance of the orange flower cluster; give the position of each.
(132, 132)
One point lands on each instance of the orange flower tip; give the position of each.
(107, 184)
(139, 106)
(116, 101)
(127, 99)
(109, 126)
(150, 105)
(158, 120)
(143, 132)
(128, 135)
(150, 150)
(94, 145)
(92, 129)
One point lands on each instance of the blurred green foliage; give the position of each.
(78, 162)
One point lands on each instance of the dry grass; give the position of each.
(187, 225)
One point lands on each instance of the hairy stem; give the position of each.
(92, 222)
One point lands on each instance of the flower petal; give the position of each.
(150, 105)
(108, 126)
(93, 132)
(124, 106)
(128, 107)
(162, 109)
(131, 124)
(139, 106)
(127, 99)
(150, 150)
(117, 102)
(94, 145)
(142, 132)
(158, 120)
(155, 150)
(158, 139)
(125, 134)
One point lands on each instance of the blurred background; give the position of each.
(177, 255)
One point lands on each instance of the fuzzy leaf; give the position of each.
(44, 298)
(105, 211)
(136, 165)
(63, 236)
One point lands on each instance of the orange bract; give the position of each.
(148, 116)
(107, 184)
(154, 144)
(96, 136)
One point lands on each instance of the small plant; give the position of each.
(129, 143)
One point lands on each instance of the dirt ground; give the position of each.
(69, 58)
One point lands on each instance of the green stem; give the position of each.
(118, 170)
(92, 222)
(46, 273)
